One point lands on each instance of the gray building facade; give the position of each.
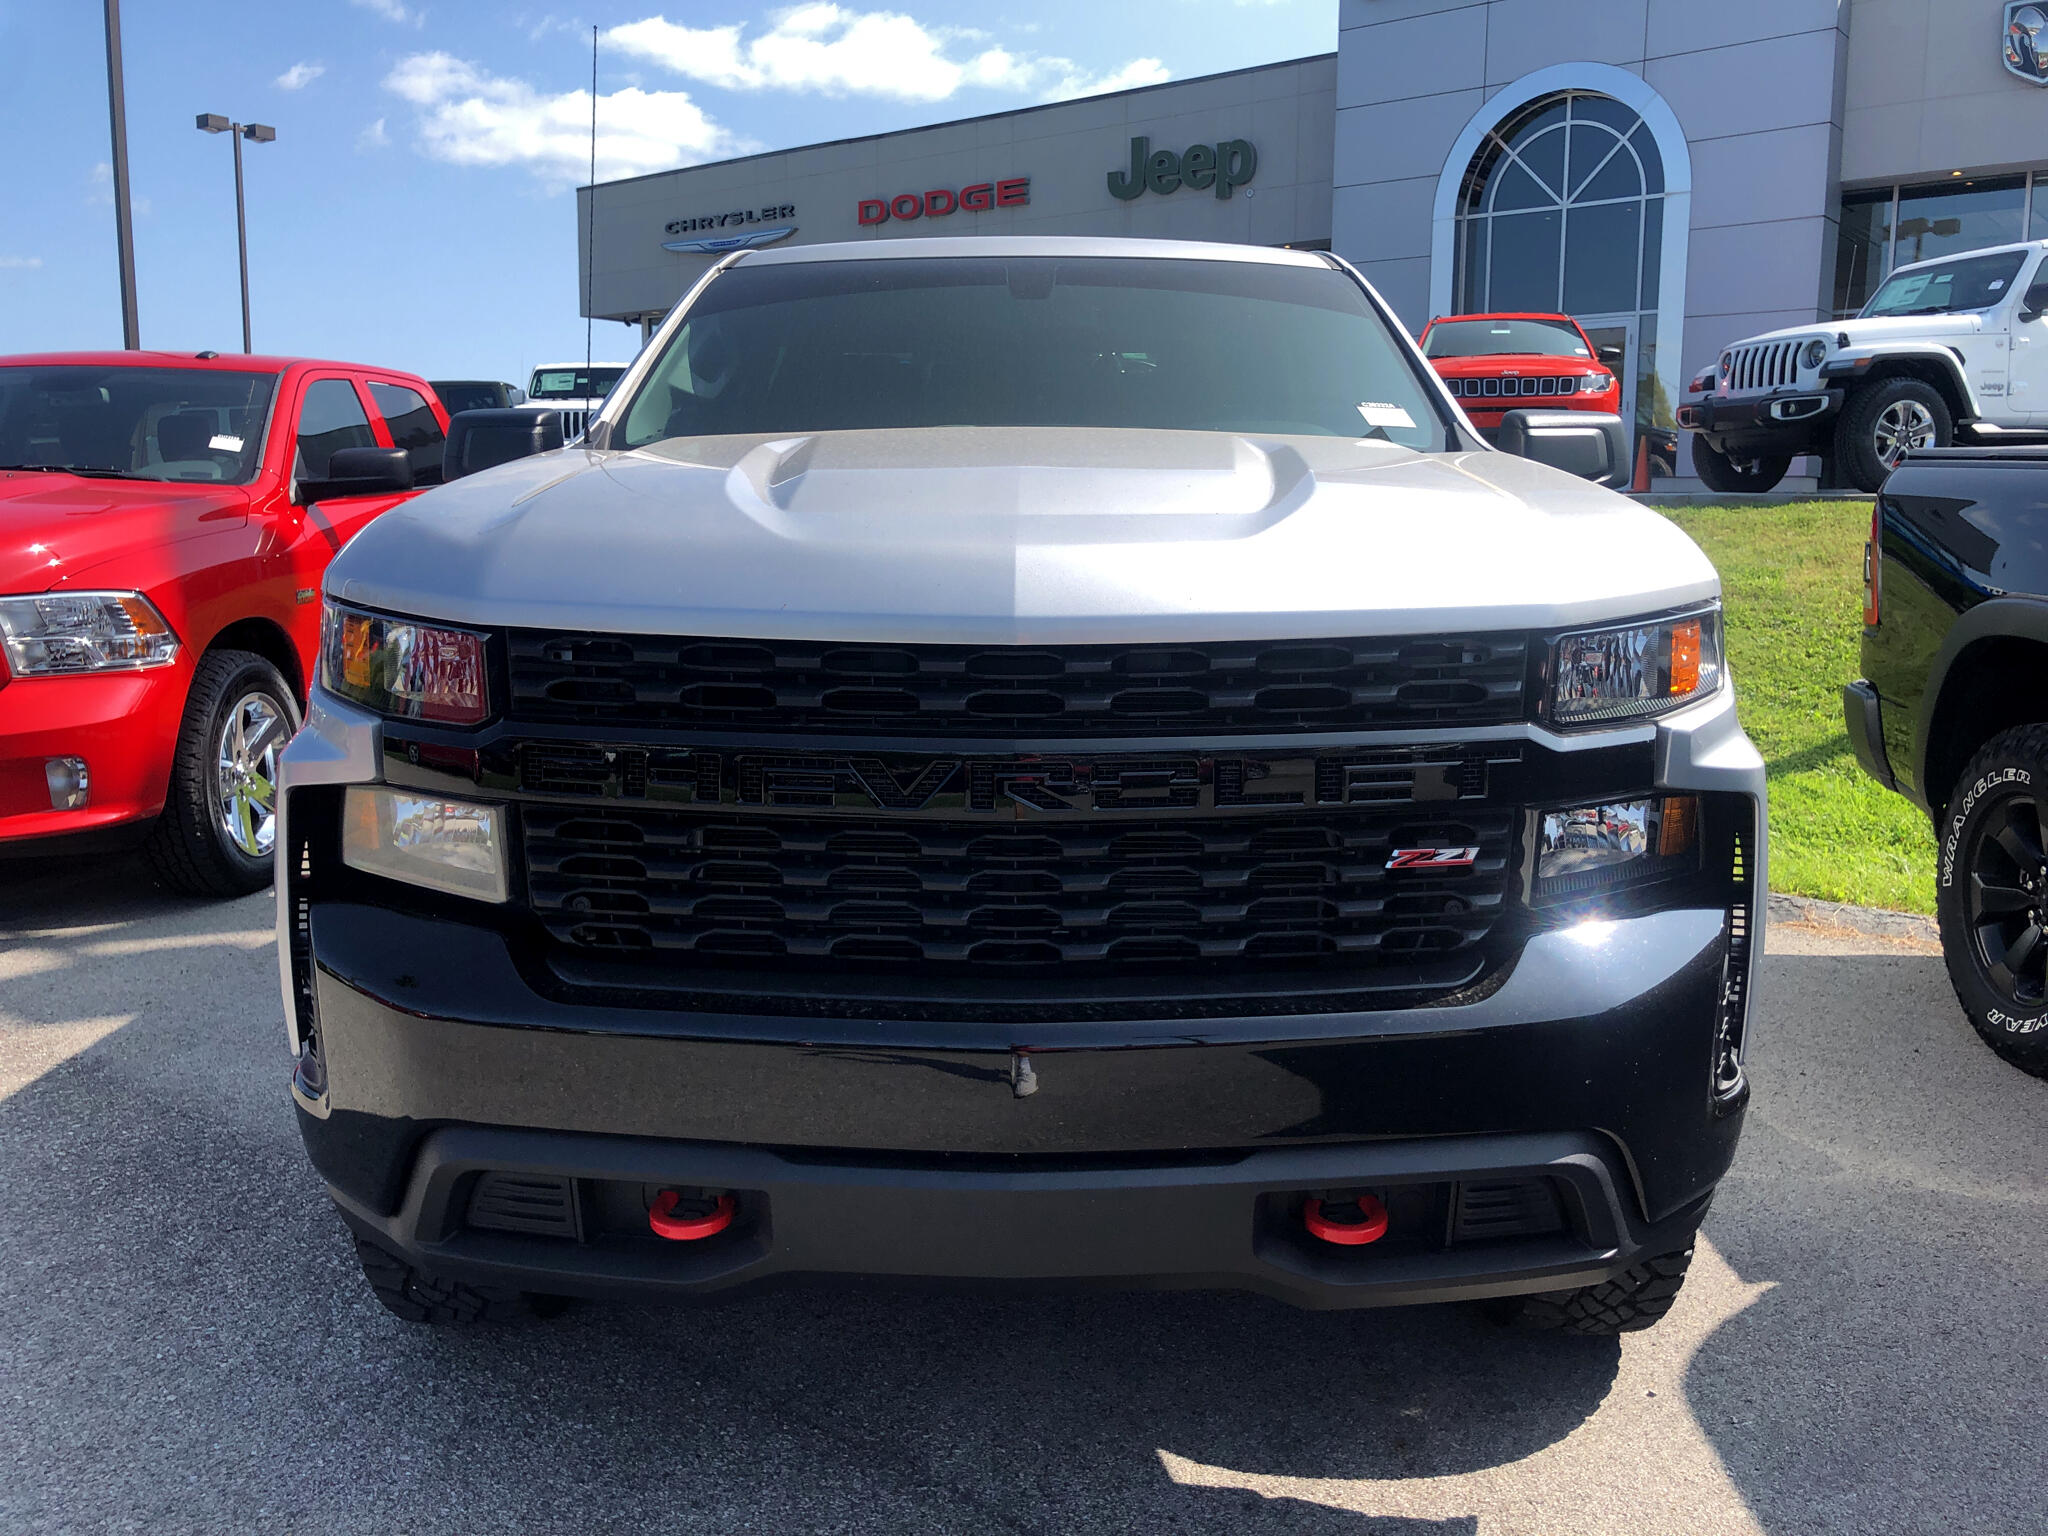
(1676, 176)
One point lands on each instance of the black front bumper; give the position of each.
(1749, 425)
(1164, 1152)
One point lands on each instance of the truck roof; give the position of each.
(231, 362)
(1030, 245)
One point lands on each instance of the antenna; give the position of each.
(590, 213)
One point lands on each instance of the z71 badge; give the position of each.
(1433, 858)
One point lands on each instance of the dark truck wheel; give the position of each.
(1635, 1299)
(1991, 892)
(417, 1297)
(219, 825)
(1719, 472)
(1885, 421)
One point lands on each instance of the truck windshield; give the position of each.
(572, 383)
(135, 423)
(991, 341)
(1493, 338)
(1952, 287)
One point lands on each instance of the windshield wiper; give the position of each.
(72, 469)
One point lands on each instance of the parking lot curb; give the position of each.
(1809, 912)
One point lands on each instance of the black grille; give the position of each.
(713, 886)
(1472, 389)
(950, 690)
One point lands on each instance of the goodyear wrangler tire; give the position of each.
(1991, 893)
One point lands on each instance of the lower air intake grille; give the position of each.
(539, 1204)
(1506, 1208)
(691, 889)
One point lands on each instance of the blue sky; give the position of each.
(416, 209)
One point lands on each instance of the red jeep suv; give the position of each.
(1500, 363)
(165, 520)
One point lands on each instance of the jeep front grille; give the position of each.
(1764, 365)
(1011, 691)
(1474, 389)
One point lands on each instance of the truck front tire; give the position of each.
(1883, 422)
(1730, 476)
(217, 831)
(1635, 1299)
(417, 1297)
(1991, 894)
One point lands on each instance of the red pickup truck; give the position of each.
(165, 520)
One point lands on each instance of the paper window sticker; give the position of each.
(1378, 413)
(225, 443)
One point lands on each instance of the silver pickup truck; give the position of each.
(1036, 759)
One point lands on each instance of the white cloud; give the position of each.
(825, 47)
(374, 137)
(468, 116)
(99, 192)
(393, 10)
(1134, 74)
(299, 76)
(20, 263)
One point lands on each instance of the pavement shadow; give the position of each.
(1893, 1189)
(189, 1344)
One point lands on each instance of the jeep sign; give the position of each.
(1224, 166)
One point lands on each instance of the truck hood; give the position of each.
(55, 528)
(1021, 536)
(1864, 332)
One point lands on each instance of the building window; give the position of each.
(1889, 227)
(1561, 211)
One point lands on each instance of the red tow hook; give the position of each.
(1338, 1226)
(688, 1229)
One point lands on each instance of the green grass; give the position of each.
(1792, 582)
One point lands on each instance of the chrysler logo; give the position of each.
(714, 245)
(2025, 23)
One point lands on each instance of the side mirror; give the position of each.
(359, 472)
(1590, 444)
(1610, 353)
(485, 439)
(2034, 305)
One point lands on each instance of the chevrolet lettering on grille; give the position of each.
(1013, 787)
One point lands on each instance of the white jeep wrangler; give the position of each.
(1952, 347)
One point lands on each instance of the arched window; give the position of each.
(1562, 210)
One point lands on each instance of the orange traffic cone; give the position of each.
(1642, 479)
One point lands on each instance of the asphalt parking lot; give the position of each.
(185, 1343)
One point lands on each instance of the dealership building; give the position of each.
(1676, 176)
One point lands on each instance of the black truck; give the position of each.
(1952, 712)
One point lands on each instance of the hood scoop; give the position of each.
(958, 482)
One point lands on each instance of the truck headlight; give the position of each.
(1592, 848)
(55, 633)
(1815, 354)
(1634, 671)
(445, 845)
(403, 667)
(1727, 365)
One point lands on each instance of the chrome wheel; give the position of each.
(1901, 427)
(245, 756)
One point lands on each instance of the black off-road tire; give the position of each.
(417, 1297)
(1635, 1299)
(1856, 431)
(2011, 766)
(1718, 472)
(188, 848)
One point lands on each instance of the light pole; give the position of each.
(124, 234)
(255, 133)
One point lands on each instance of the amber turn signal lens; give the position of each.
(1685, 657)
(1677, 825)
(357, 668)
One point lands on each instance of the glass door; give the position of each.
(1616, 342)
